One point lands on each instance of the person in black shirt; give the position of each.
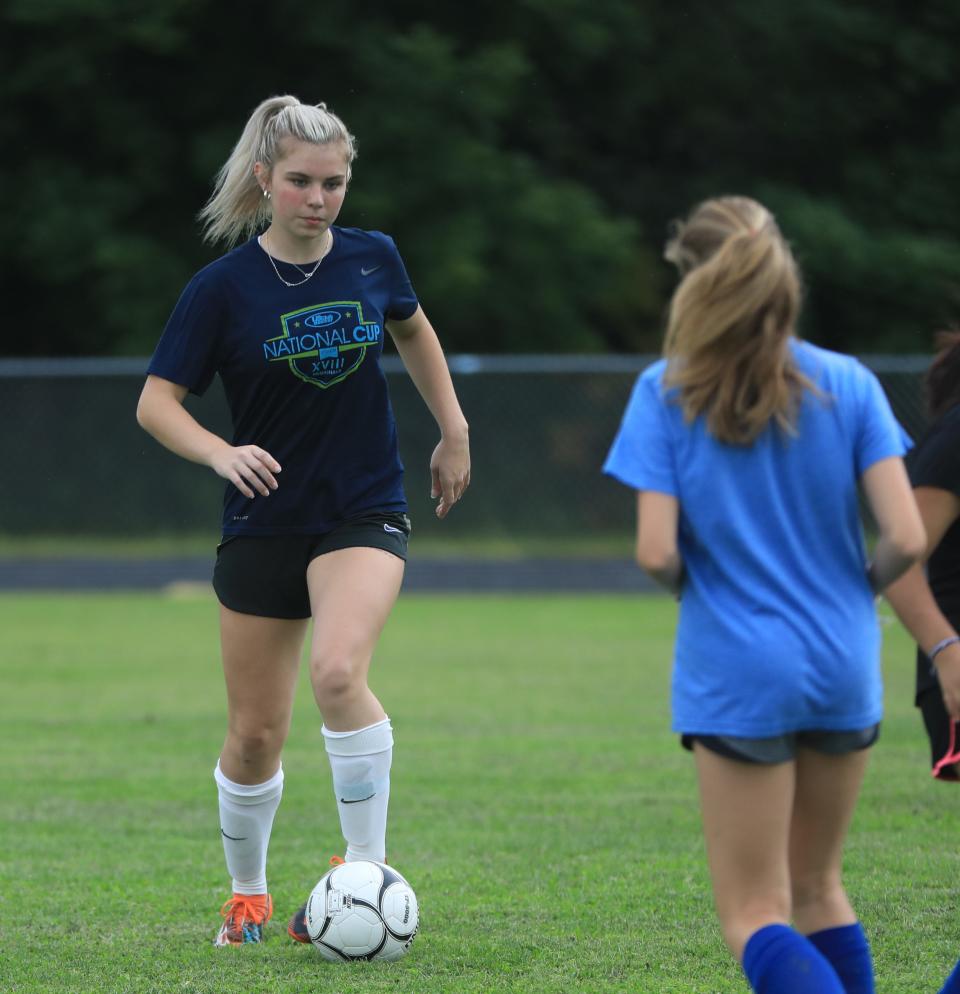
(929, 604)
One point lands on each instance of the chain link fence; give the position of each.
(77, 463)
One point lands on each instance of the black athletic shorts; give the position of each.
(942, 733)
(782, 748)
(266, 575)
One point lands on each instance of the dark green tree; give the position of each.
(526, 155)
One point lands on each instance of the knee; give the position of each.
(336, 676)
(254, 741)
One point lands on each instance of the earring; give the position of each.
(266, 193)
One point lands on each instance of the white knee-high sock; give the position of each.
(360, 762)
(246, 819)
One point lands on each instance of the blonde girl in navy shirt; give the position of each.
(314, 518)
(746, 447)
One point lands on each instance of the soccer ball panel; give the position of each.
(398, 906)
(356, 933)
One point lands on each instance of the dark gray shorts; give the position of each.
(783, 748)
(266, 575)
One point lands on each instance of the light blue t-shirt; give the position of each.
(777, 629)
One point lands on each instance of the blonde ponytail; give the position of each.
(731, 319)
(237, 207)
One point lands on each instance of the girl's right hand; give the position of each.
(247, 467)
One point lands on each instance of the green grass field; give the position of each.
(541, 808)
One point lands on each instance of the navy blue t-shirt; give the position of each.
(300, 368)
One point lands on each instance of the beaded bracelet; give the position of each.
(941, 645)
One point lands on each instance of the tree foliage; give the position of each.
(527, 156)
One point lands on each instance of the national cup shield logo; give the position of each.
(325, 343)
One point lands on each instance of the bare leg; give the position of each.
(746, 820)
(260, 662)
(825, 798)
(352, 592)
(261, 658)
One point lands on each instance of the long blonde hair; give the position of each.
(731, 319)
(237, 207)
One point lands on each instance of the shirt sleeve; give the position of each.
(936, 460)
(642, 454)
(403, 301)
(880, 435)
(187, 353)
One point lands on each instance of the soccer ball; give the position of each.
(362, 910)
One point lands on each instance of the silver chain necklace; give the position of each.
(306, 275)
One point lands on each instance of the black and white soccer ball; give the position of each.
(362, 911)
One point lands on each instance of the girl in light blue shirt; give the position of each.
(746, 447)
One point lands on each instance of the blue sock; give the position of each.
(778, 960)
(952, 986)
(848, 951)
